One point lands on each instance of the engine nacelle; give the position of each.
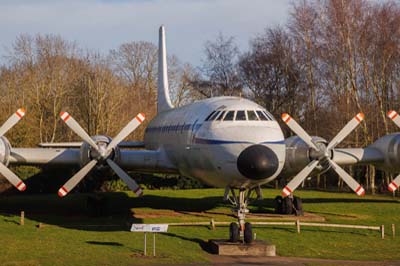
(298, 155)
(5, 150)
(87, 153)
(389, 146)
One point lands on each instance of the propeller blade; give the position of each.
(71, 123)
(346, 130)
(394, 184)
(296, 181)
(128, 129)
(12, 121)
(126, 178)
(12, 178)
(296, 128)
(348, 179)
(73, 181)
(394, 116)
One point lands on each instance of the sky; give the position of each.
(101, 25)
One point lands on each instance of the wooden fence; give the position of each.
(297, 224)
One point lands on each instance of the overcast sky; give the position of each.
(102, 25)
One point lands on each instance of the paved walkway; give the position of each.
(290, 261)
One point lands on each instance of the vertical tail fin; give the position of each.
(163, 100)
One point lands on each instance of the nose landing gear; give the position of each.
(241, 230)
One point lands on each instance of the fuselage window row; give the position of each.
(241, 115)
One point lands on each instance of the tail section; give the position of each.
(163, 100)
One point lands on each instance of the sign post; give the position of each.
(149, 228)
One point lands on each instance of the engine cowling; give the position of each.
(298, 155)
(389, 146)
(87, 153)
(5, 150)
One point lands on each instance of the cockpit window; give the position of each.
(221, 115)
(269, 115)
(209, 116)
(229, 116)
(252, 115)
(241, 116)
(262, 116)
(214, 115)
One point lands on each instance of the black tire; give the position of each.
(287, 206)
(297, 202)
(233, 232)
(248, 233)
(278, 204)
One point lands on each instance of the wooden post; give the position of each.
(383, 231)
(22, 219)
(154, 244)
(393, 230)
(212, 223)
(145, 244)
(298, 226)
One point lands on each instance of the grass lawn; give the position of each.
(72, 237)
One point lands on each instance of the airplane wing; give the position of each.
(350, 156)
(122, 144)
(132, 160)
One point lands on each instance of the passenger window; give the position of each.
(221, 115)
(209, 116)
(240, 116)
(252, 116)
(262, 116)
(229, 116)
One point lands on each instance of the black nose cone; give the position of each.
(257, 162)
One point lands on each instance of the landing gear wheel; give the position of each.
(248, 233)
(287, 205)
(297, 202)
(233, 232)
(278, 204)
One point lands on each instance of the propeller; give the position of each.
(103, 154)
(7, 173)
(396, 119)
(321, 154)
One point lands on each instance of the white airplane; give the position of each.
(227, 142)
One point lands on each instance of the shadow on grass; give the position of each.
(98, 211)
(100, 243)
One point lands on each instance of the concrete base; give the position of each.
(257, 248)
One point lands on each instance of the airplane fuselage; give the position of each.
(207, 140)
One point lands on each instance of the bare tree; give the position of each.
(220, 68)
(271, 73)
(136, 63)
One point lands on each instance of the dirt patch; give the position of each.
(348, 216)
(142, 214)
(270, 216)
